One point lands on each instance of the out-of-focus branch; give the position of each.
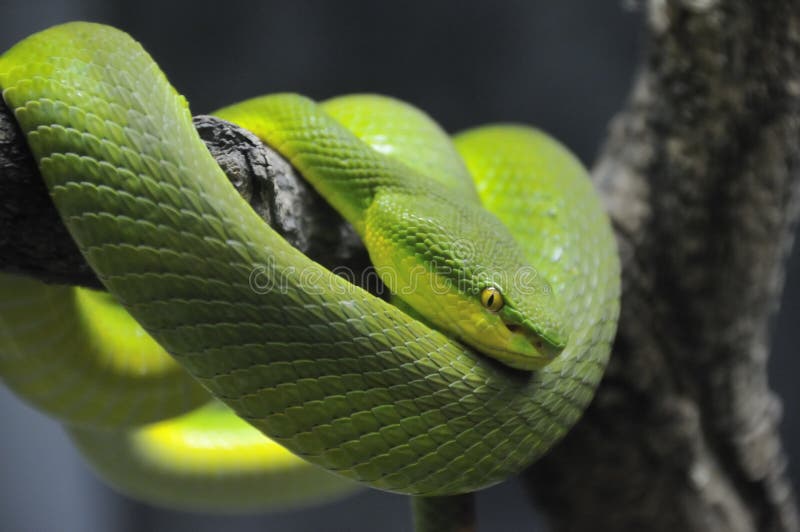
(700, 175)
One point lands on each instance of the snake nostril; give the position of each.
(513, 327)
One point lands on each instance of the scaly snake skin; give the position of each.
(337, 376)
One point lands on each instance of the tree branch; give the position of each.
(700, 175)
(33, 241)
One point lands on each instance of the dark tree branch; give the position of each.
(700, 175)
(33, 241)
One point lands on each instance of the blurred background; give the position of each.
(563, 66)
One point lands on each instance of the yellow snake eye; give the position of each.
(492, 299)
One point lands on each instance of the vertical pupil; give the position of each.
(490, 300)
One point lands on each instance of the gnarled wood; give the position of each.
(33, 241)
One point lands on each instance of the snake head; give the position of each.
(461, 270)
(517, 325)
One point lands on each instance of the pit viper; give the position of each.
(494, 245)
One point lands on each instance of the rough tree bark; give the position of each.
(701, 175)
(33, 241)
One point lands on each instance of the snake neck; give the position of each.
(346, 171)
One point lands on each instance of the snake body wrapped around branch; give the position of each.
(508, 319)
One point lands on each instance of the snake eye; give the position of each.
(492, 299)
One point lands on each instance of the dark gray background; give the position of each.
(564, 66)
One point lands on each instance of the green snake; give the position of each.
(494, 245)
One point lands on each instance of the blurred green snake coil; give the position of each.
(494, 244)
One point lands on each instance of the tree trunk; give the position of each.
(700, 175)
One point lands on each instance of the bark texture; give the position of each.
(33, 241)
(700, 174)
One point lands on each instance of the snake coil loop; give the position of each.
(337, 376)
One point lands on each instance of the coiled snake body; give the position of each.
(341, 378)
